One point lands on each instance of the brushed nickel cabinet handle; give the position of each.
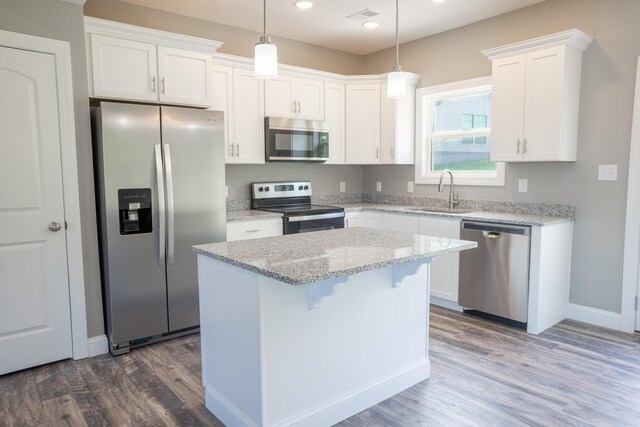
(518, 147)
(524, 146)
(163, 87)
(153, 83)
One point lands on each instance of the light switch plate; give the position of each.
(607, 172)
(523, 185)
(378, 186)
(343, 186)
(409, 186)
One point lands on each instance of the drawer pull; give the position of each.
(253, 231)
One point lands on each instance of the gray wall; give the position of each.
(325, 179)
(607, 88)
(64, 21)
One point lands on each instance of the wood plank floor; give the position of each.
(483, 374)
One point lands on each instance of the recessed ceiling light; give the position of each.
(437, 1)
(303, 4)
(370, 24)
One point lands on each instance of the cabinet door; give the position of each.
(334, 104)
(362, 124)
(543, 104)
(310, 98)
(247, 127)
(402, 223)
(508, 97)
(444, 269)
(124, 69)
(222, 84)
(279, 96)
(371, 220)
(185, 77)
(351, 219)
(388, 120)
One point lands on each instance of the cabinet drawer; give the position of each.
(244, 230)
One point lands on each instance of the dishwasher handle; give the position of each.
(491, 234)
(494, 230)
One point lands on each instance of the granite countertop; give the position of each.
(510, 218)
(299, 259)
(250, 214)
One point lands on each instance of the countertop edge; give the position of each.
(334, 274)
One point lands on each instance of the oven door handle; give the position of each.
(315, 217)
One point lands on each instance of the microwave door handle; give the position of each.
(161, 211)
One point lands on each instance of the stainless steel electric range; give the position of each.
(293, 200)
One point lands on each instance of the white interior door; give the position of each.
(35, 325)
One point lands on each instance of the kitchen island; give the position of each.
(310, 329)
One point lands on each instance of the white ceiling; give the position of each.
(326, 24)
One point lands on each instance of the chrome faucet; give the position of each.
(452, 199)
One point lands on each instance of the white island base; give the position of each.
(275, 354)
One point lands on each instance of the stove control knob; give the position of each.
(300, 187)
(260, 189)
(266, 188)
(306, 187)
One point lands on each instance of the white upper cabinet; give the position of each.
(334, 113)
(139, 64)
(362, 123)
(536, 97)
(246, 121)
(238, 93)
(124, 69)
(295, 98)
(185, 77)
(397, 125)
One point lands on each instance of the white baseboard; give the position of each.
(441, 302)
(331, 412)
(595, 316)
(98, 345)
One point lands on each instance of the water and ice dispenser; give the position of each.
(134, 205)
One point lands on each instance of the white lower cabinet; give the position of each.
(351, 219)
(402, 223)
(444, 269)
(244, 230)
(371, 220)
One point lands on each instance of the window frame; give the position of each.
(425, 98)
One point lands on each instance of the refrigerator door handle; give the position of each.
(161, 211)
(170, 207)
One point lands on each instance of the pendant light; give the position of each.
(266, 53)
(396, 79)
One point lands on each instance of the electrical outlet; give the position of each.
(378, 186)
(409, 186)
(523, 185)
(607, 172)
(226, 191)
(343, 186)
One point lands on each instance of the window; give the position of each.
(454, 132)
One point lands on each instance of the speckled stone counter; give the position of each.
(501, 217)
(298, 259)
(250, 215)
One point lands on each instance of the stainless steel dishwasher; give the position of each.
(494, 277)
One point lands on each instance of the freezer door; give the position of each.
(127, 137)
(193, 142)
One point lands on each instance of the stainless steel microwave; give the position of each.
(296, 140)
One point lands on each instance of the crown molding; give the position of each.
(78, 2)
(574, 38)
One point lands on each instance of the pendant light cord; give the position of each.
(397, 48)
(264, 16)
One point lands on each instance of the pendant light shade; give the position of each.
(396, 79)
(266, 53)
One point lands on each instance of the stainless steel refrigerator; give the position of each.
(160, 188)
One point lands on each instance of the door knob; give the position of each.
(54, 226)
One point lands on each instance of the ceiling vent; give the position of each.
(363, 15)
